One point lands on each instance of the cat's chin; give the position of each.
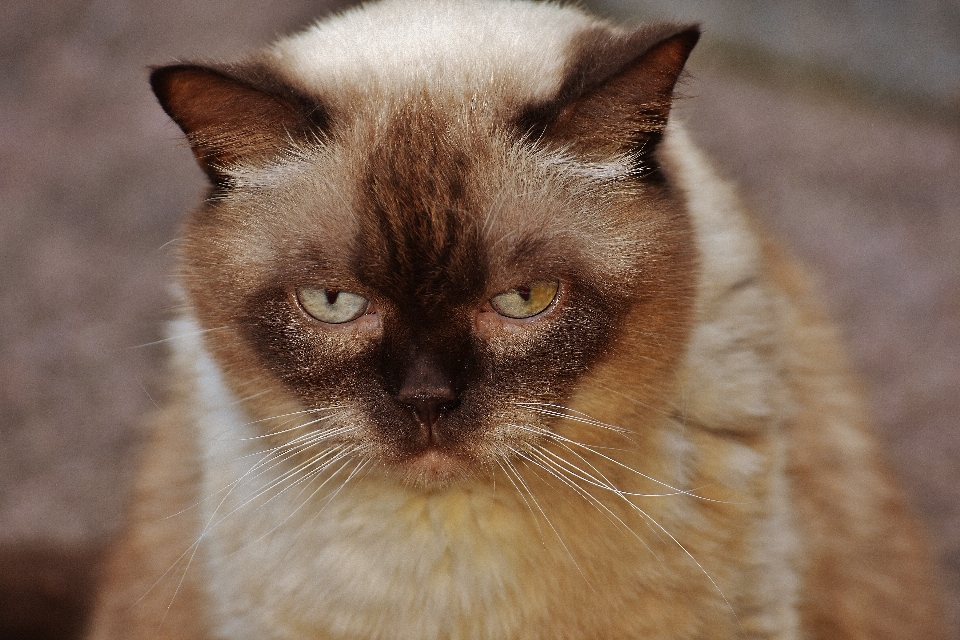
(434, 468)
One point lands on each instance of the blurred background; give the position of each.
(840, 120)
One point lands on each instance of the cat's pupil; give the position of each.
(332, 295)
(523, 292)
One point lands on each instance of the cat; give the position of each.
(474, 343)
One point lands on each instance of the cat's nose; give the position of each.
(427, 389)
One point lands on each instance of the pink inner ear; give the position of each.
(227, 121)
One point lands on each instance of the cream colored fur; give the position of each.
(507, 48)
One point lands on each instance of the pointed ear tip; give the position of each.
(162, 73)
(161, 77)
(172, 81)
(679, 43)
(689, 34)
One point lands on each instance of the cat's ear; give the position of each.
(617, 94)
(230, 121)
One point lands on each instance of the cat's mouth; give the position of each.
(435, 467)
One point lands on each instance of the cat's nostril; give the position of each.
(427, 389)
(428, 408)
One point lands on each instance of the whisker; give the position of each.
(271, 458)
(338, 454)
(638, 402)
(299, 426)
(147, 393)
(192, 549)
(292, 414)
(547, 519)
(167, 244)
(558, 473)
(287, 448)
(654, 523)
(360, 465)
(603, 482)
(593, 450)
(313, 436)
(309, 477)
(533, 515)
(250, 397)
(564, 412)
(692, 558)
(176, 337)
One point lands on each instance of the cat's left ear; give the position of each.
(617, 94)
(235, 117)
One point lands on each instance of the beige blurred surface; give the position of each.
(94, 180)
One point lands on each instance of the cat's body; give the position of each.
(576, 395)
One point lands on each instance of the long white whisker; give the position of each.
(337, 452)
(562, 475)
(271, 458)
(653, 522)
(637, 402)
(533, 515)
(360, 465)
(296, 428)
(250, 397)
(547, 519)
(570, 414)
(650, 519)
(313, 474)
(193, 548)
(602, 482)
(703, 569)
(189, 334)
(593, 450)
(291, 415)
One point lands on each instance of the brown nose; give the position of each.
(426, 389)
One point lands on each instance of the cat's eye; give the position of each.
(332, 305)
(525, 301)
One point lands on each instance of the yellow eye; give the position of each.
(526, 301)
(331, 305)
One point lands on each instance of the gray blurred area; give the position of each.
(839, 120)
(893, 50)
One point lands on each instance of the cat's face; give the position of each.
(423, 280)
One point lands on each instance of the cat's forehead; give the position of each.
(430, 201)
(460, 48)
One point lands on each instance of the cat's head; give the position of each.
(424, 256)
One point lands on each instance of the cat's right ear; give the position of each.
(230, 121)
(617, 94)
